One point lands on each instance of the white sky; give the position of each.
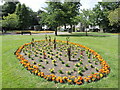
(37, 4)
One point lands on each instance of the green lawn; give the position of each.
(0, 62)
(15, 76)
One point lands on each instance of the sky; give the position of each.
(35, 5)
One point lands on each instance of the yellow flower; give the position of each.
(78, 63)
(101, 75)
(36, 71)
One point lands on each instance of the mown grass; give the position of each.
(0, 62)
(94, 34)
(15, 76)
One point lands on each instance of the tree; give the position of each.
(10, 21)
(114, 19)
(57, 14)
(92, 18)
(33, 17)
(1, 23)
(53, 15)
(102, 11)
(70, 13)
(8, 7)
(24, 16)
(84, 18)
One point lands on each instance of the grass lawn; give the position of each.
(14, 75)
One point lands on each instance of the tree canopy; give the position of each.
(26, 16)
(114, 17)
(114, 20)
(101, 11)
(57, 14)
(10, 21)
(8, 8)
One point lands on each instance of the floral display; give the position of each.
(19, 32)
(66, 62)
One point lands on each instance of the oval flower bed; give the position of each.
(62, 61)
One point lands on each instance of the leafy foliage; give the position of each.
(23, 14)
(113, 17)
(101, 11)
(85, 18)
(57, 14)
(10, 21)
(8, 8)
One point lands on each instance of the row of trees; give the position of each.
(69, 13)
(56, 14)
(102, 15)
(17, 16)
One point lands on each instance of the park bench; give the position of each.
(26, 32)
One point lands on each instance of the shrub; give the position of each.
(76, 65)
(74, 69)
(67, 65)
(89, 61)
(36, 55)
(60, 71)
(34, 62)
(91, 66)
(60, 59)
(81, 62)
(62, 62)
(51, 70)
(68, 72)
(39, 64)
(41, 53)
(43, 67)
(40, 60)
(80, 73)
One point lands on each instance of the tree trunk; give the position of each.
(74, 28)
(86, 32)
(83, 29)
(55, 31)
(104, 30)
(65, 26)
(70, 31)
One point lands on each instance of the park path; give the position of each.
(59, 33)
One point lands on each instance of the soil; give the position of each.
(34, 53)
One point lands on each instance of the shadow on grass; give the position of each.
(83, 35)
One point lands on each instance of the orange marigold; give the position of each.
(78, 83)
(80, 78)
(69, 81)
(76, 80)
(30, 68)
(39, 74)
(42, 73)
(61, 80)
(98, 77)
(65, 77)
(93, 79)
(35, 67)
(90, 77)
